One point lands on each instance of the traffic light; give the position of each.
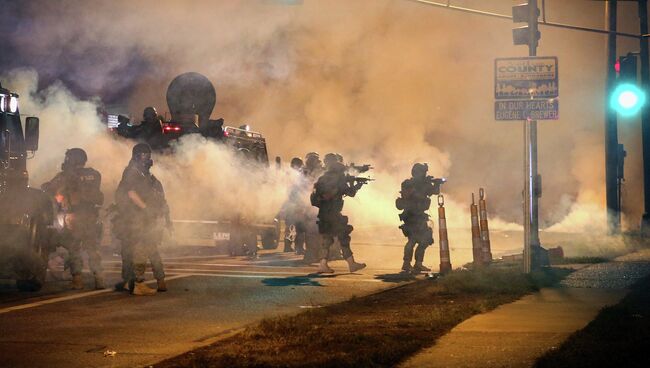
(627, 98)
(529, 34)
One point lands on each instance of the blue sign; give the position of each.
(526, 109)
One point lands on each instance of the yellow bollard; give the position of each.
(485, 232)
(477, 248)
(445, 262)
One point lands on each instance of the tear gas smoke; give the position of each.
(203, 180)
(385, 82)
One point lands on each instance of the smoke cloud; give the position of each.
(386, 82)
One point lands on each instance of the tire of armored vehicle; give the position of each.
(25, 240)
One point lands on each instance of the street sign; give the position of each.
(525, 78)
(526, 109)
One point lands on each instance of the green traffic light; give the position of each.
(627, 99)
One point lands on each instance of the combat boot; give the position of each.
(162, 286)
(99, 283)
(140, 288)
(354, 266)
(122, 286)
(419, 267)
(323, 267)
(406, 267)
(77, 282)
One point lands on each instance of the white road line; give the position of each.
(212, 264)
(249, 265)
(275, 275)
(288, 273)
(73, 297)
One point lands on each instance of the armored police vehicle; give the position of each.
(191, 98)
(25, 212)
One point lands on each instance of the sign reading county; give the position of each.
(523, 110)
(525, 78)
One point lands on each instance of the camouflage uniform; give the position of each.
(78, 198)
(312, 170)
(140, 230)
(328, 197)
(414, 202)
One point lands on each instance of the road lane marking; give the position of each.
(74, 296)
(212, 264)
(279, 276)
(288, 273)
(200, 271)
(247, 265)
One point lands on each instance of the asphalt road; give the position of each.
(209, 296)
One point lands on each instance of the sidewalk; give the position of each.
(515, 334)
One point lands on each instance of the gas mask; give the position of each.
(68, 164)
(145, 161)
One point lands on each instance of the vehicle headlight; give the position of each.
(13, 104)
(3, 103)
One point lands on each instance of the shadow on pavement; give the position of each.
(395, 277)
(291, 281)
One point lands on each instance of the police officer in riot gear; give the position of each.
(293, 211)
(328, 197)
(312, 170)
(76, 190)
(313, 166)
(149, 129)
(141, 210)
(414, 202)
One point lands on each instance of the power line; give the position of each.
(448, 5)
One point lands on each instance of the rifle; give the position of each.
(359, 180)
(436, 181)
(360, 168)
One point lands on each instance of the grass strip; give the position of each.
(580, 260)
(618, 337)
(378, 330)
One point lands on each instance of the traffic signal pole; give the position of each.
(645, 116)
(611, 129)
(531, 182)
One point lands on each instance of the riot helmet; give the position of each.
(312, 160)
(141, 154)
(329, 159)
(419, 170)
(296, 163)
(74, 157)
(150, 114)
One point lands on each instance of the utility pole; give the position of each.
(645, 116)
(611, 129)
(529, 35)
